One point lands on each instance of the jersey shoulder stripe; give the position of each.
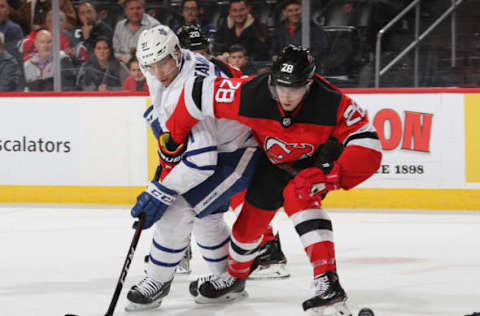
(197, 91)
(222, 67)
(372, 135)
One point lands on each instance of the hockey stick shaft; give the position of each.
(126, 265)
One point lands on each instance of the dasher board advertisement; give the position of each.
(76, 141)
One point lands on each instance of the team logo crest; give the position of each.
(279, 151)
(286, 121)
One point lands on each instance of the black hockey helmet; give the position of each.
(192, 37)
(294, 67)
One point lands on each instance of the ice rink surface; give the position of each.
(58, 260)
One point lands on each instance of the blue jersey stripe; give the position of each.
(215, 260)
(169, 250)
(200, 151)
(216, 246)
(156, 128)
(194, 166)
(163, 264)
(164, 188)
(148, 111)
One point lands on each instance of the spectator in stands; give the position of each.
(31, 15)
(9, 70)
(112, 12)
(191, 12)
(12, 31)
(191, 37)
(136, 81)
(237, 57)
(128, 30)
(240, 27)
(38, 68)
(43, 7)
(15, 15)
(90, 29)
(102, 71)
(290, 32)
(27, 45)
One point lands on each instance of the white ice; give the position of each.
(58, 260)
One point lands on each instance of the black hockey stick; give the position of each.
(126, 265)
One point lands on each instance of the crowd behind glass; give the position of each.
(98, 40)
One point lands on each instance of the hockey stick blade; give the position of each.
(126, 265)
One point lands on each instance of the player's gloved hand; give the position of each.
(170, 153)
(153, 202)
(313, 183)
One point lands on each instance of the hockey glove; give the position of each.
(170, 153)
(313, 183)
(153, 202)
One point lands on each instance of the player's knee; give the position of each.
(211, 227)
(246, 232)
(178, 229)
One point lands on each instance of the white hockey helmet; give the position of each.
(155, 44)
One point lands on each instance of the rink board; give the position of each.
(70, 148)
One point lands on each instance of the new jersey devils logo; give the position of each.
(278, 151)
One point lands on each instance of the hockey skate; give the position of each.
(329, 299)
(147, 294)
(184, 265)
(272, 263)
(217, 289)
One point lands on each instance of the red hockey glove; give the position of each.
(170, 153)
(313, 183)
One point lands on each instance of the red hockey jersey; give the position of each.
(285, 137)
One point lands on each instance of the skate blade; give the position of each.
(336, 309)
(134, 307)
(183, 271)
(228, 298)
(271, 271)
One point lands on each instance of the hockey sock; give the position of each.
(315, 230)
(268, 235)
(246, 239)
(213, 237)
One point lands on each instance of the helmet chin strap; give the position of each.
(177, 57)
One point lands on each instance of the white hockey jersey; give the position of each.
(208, 137)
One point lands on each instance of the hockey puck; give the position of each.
(366, 312)
(71, 315)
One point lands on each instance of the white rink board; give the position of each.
(107, 141)
(93, 141)
(443, 165)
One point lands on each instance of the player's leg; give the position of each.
(170, 240)
(314, 227)
(213, 237)
(263, 198)
(272, 263)
(184, 265)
